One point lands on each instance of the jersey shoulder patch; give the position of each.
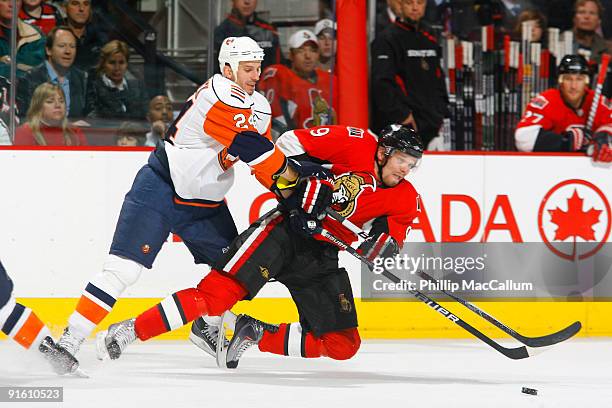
(229, 93)
(355, 132)
(539, 102)
(276, 70)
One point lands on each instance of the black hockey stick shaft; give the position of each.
(542, 341)
(513, 353)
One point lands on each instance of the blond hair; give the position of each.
(110, 48)
(34, 115)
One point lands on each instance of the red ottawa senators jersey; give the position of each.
(548, 111)
(358, 196)
(297, 102)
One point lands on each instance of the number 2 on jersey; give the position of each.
(241, 121)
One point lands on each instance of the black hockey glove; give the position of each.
(600, 148)
(577, 139)
(381, 245)
(307, 204)
(302, 223)
(313, 192)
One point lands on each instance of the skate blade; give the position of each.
(101, 350)
(228, 321)
(201, 344)
(79, 373)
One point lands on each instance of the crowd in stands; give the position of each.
(62, 43)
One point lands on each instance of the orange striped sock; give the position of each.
(25, 327)
(93, 306)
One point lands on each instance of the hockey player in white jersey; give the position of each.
(182, 187)
(20, 323)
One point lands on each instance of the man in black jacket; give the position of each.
(244, 21)
(58, 69)
(407, 83)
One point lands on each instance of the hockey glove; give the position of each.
(304, 169)
(600, 149)
(577, 138)
(381, 245)
(314, 195)
(302, 223)
(313, 192)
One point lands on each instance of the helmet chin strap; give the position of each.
(379, 166)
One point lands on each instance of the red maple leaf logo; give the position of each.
(574, 222)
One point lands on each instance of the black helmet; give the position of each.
(402, 138)
(573, 64)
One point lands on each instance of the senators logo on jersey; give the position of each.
(347, 188)
(299, 102)
(320, 110)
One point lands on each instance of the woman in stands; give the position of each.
(46, 122)
(110, 94)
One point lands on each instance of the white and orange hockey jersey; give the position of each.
(220, 124)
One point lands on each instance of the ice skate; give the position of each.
(60, 359)
(70, 341)
(204, 335)
(111, 343)
(248, 332)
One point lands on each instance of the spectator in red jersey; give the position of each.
(40, 14)
(300, 95)
(243, 21)
(46, 122)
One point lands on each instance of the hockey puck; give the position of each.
(530, 391)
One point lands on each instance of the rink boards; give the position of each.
(58, 210)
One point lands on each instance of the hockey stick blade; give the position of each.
(541, 341)
(513, 353)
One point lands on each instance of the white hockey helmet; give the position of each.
(236, 49)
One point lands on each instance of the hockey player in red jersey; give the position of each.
(369, 187)
(555, 120)
(300, 95)
(182, 187)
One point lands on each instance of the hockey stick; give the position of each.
(513, 353)
(542, 341)
(601, 77)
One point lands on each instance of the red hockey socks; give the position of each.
(215, 294)
(290, 340)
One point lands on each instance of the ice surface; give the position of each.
(410, 373)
